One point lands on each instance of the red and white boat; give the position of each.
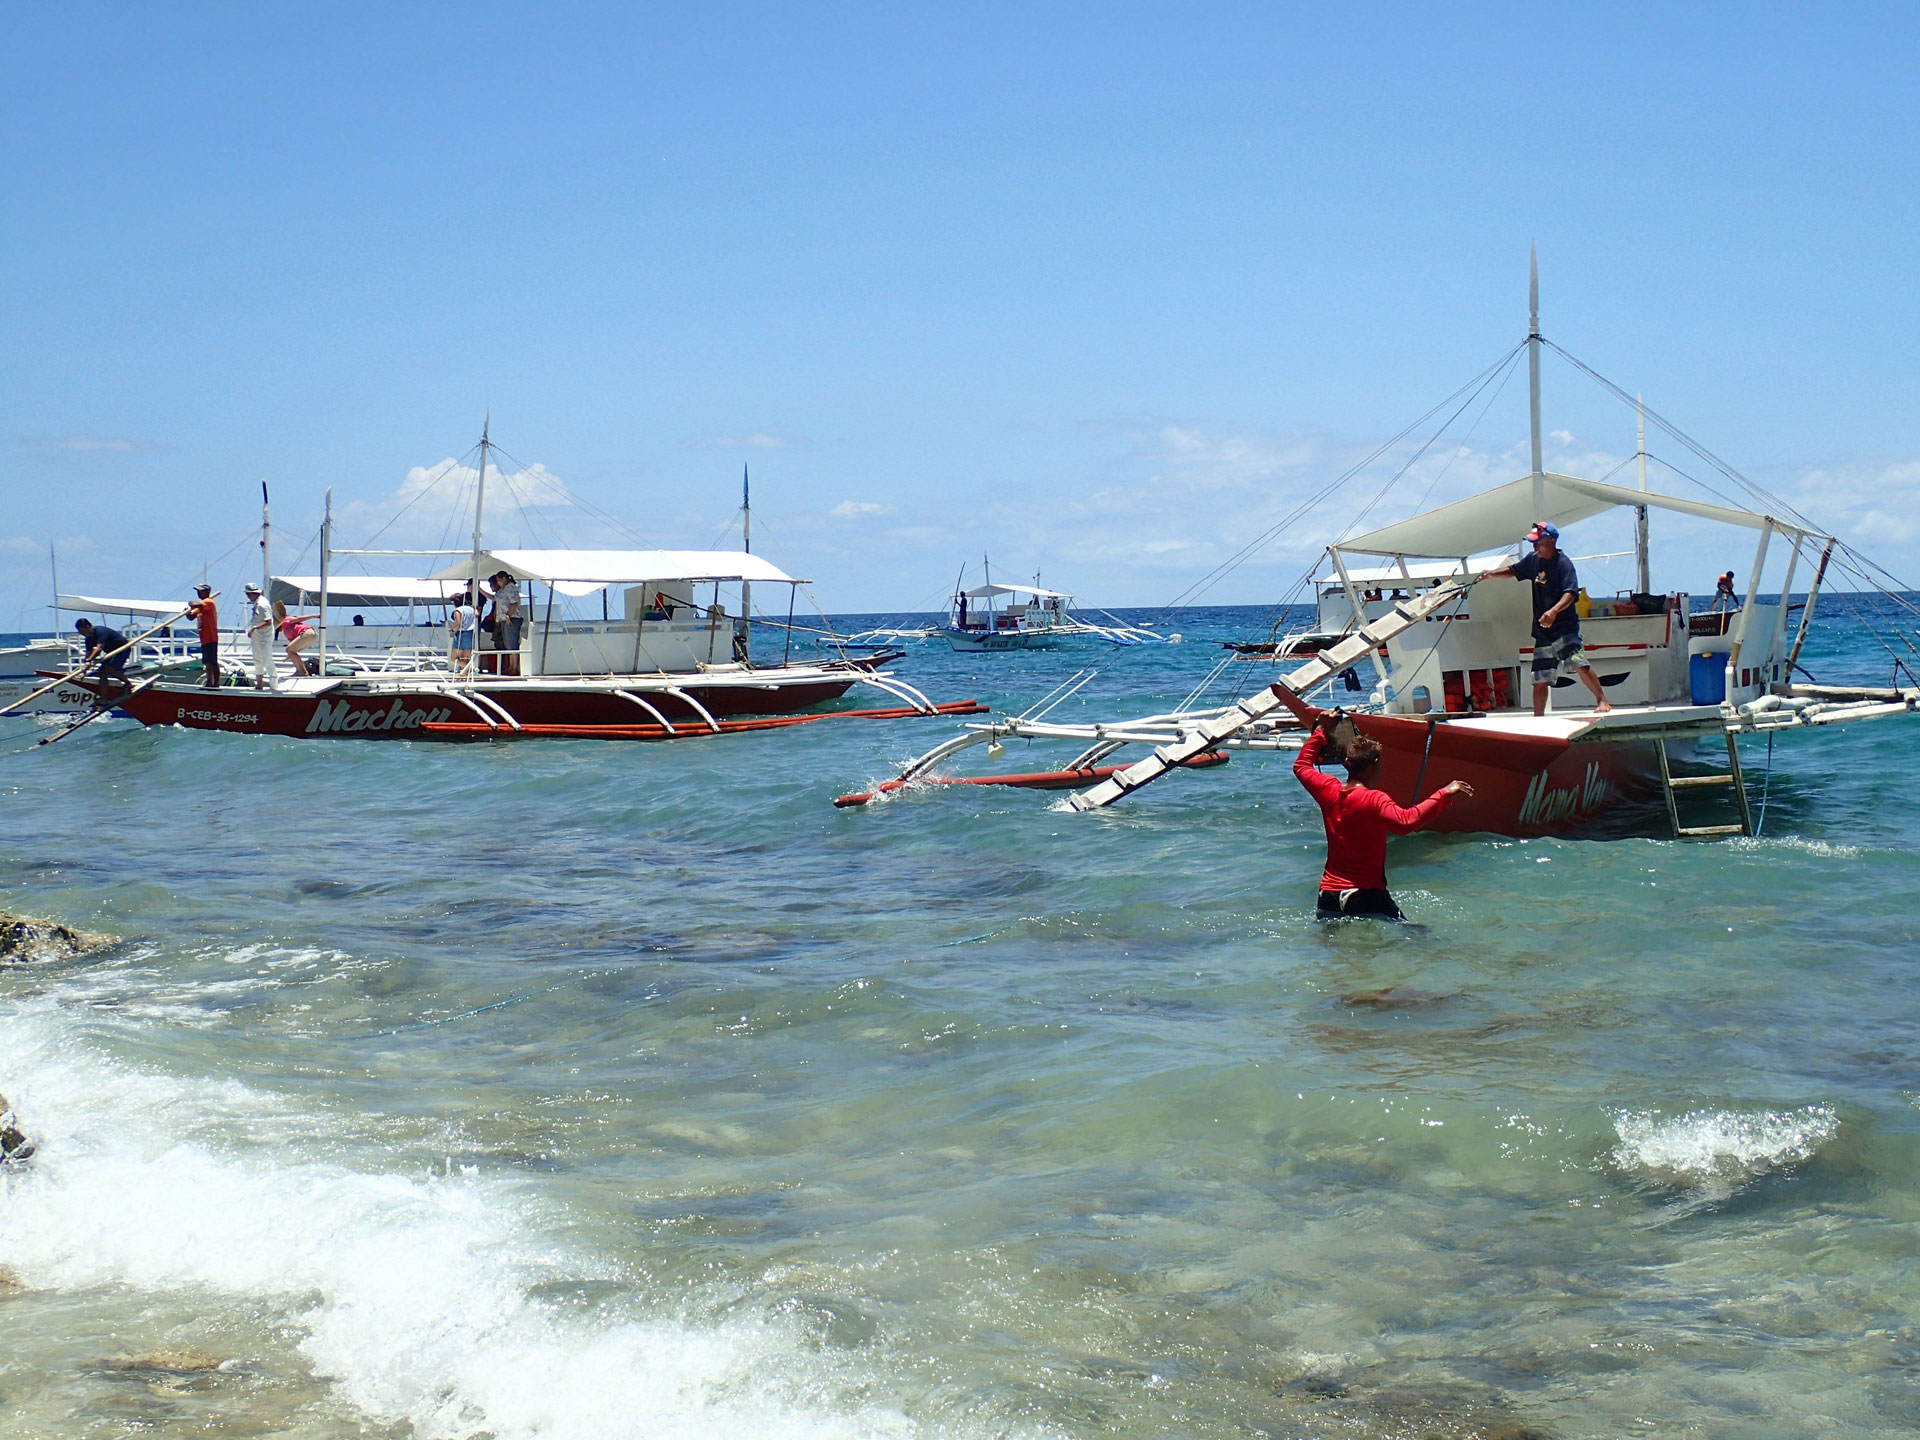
(664, 659)
(1450, 655)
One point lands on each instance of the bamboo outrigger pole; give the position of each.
(76, 673)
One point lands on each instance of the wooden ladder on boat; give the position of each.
(1734, 777)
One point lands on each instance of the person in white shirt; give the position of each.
(260, 636)
(464, 623)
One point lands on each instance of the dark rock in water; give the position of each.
(1316, 1385)
(27, 941)
(1393, 997)
(15, 1147)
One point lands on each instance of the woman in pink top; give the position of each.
(298, 634)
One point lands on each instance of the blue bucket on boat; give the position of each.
(1707, 678)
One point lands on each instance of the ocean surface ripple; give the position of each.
(602, 1090)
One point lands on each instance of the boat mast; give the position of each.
(1533, 378)
(479, 511)
(326, 565)
(266, 546)
(53, 564)
(1640, 511)
(745, 627)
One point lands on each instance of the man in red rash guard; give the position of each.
(1358, 819)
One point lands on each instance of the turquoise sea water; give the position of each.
(601, 1090)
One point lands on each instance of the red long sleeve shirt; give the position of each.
(1357, 820)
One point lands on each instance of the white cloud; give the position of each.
(854, 509)
(433, 505)
(758, 440)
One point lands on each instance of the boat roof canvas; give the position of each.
(102, 605)
(1496, 519)
(1390, 574)
(987, 592)
(372, 592)
(581, 572)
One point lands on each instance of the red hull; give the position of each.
(436, 714)
(1522, 785)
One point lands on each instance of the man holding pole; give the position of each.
(109, 647)
(203, 611)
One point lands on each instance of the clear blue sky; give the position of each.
(1099, 289)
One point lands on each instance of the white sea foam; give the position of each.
(1824, 849)
(1720, 1146)
(413, 1291)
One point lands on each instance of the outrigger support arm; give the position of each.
(1208, 734)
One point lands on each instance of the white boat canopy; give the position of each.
(1417, 571)
(372, 592)
(101, 605)
(1496, 519)
(581, 572)
(988, 592)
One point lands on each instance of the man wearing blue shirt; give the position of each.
(1556, 624)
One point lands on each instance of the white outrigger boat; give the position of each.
(1451, 659)
(993, 617)
(668, 663)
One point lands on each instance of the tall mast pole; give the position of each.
(53, 564)
(266, 545)
(479, 512)
(745, 627)
(1533, 378)
(326, 566)
(1640, 511)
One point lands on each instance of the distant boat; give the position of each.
(994, 616)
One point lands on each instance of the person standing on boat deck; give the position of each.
(464, 625)
(260, 636)
(1358, 819)
(1556, 624)
(298, 635)
(506, 621)
(109, 646)
(203, 612)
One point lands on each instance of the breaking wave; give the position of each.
(1719, 1147)
(416, 1294)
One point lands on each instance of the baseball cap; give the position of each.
(252, 589)
(1543, 530)
(203, 589)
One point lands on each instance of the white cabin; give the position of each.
(1478, 656)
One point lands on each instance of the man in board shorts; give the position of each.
(1556, 624)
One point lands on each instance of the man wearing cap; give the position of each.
(260, 636)
(1556, 624)
(505, 622)
(203, 612)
